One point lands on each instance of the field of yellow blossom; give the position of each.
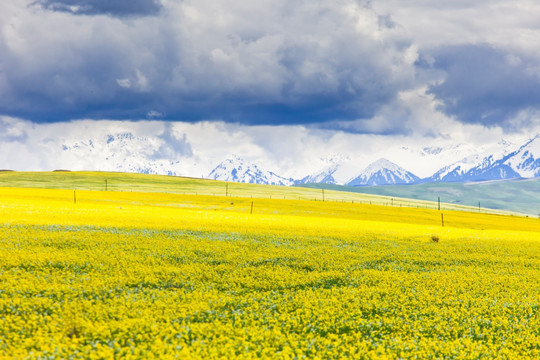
(148, 274)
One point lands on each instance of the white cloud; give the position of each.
(505, 23)
(273, 62)
(153, 114)
(194, 149)
(353, 76)
(125, 83)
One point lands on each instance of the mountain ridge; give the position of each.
(523, 162)
(236, 169)
(383, 172)
(126, 152)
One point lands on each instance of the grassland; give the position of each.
(521, 196)
(129, 182)
(155, 274)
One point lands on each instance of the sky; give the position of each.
(289, 84)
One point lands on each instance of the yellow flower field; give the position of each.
(95, 274)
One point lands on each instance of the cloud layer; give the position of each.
(486, 85)
(344, 64)
(120, 8)
(194, 149)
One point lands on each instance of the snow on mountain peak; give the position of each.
(338, 173)
(126, 151)
(325, 176)
(382, 164)
(123, 152)
(532, 146)
(237, 169)
(383, 172)
(526, 160)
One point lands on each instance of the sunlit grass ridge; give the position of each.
(129, 182)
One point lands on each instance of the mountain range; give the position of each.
(119, 152)
(129, 153)
(523, 162)
(237, 170)
(507, 163)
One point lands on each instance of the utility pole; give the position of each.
(442, 219)
(251, 212)
(322, 195)
(105, 184)
(439, 201)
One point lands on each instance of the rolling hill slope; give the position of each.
(132, 182)
(520, 195)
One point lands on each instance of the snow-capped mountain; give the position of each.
(486, 171)
(126, 152)
(325, 176)
(526, 160)
(383, 172)
(455, 171)
(122, 152)
(477, 167)
(473, 168)
(237, 170)
(337, 173)
(521, 163)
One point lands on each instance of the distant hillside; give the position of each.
(134, 182)
(521, 195)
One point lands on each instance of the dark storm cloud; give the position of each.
(275, 62)
(120, 8)
(485, 85)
